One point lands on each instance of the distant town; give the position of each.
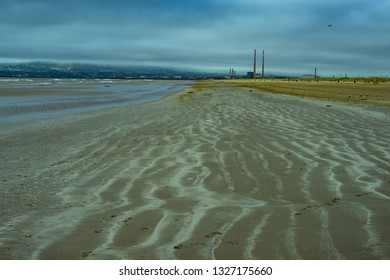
(91, 71)
(54, 70)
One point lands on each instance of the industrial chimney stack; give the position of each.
(254, 66)
(262, 67)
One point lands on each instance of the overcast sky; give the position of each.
(205, 35)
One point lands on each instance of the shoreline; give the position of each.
(206, 173)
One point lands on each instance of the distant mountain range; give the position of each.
(74, 70)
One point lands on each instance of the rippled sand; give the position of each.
(223, 173)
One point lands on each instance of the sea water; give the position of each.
(48, 98)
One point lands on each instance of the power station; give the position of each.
(232, 73)
(251, 75)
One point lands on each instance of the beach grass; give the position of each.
(372, 91)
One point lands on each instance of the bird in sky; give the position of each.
(329, 25)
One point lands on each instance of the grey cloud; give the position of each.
(202, 34)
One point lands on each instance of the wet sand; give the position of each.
(217, 173)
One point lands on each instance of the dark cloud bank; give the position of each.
(212, 35)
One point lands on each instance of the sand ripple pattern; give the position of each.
(220, 174)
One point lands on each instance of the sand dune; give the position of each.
(223, 173)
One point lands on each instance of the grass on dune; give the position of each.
(374, 91)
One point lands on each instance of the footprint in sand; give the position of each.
(363, 194)
(329, 203)
(214, 233)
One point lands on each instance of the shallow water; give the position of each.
(47, 98)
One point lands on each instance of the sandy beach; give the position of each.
(208, 173)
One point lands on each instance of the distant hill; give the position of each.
(74, 70)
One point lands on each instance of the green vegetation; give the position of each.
(373, 90)
(372, 80)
